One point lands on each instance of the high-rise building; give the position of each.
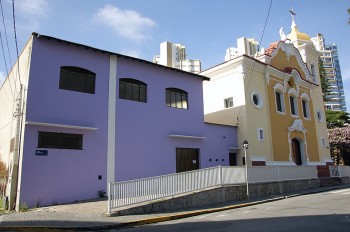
(245, 46)
(329, 56)
(174, 55)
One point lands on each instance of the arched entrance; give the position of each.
(296, 151)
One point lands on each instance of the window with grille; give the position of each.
(131, 89)
(77, 79)
(176, 98)
(60, 140)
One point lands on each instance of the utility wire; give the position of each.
(14, 29)
(8, 49)
(3, 54)
(7, 42)
(251, 74)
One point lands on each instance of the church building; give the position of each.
(275, 99)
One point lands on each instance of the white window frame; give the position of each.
(295, 105)
(261, 135)
(227, 100)
(305, 98)
(260, 100)
(280, 89)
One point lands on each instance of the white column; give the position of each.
(112, 90)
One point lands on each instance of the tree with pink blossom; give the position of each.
(339, 142)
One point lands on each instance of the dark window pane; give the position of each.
(292, 106)
(167, 98)
(48, 140)
(278, 102)
(256, 99)
(90, 84)
(122, 90)
(128, 91)
(77, 79)
(173, 100)
(135, 92)
(176, 98)
(131, 89)
(184, 101)
(60, 140)
(71, 141)
(143, 93)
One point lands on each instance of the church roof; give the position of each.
(296, 35)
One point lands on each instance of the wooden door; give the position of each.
(187, 159)
(296, 151)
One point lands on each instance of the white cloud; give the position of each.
(130, 52)
(32, 8)
(126, 23)
(2, 77)
(30, 13)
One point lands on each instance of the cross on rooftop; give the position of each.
(292, 13)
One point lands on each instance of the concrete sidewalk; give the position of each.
(91, 215)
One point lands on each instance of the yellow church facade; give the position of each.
(275, 100)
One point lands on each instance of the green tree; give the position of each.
(349, 16)
(336, 119)
(324, 80)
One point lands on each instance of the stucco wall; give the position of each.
(143, 145)
(64, 175)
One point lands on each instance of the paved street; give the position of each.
(326, 211)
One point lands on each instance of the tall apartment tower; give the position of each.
(174, 55)
(245, 46)
(329, 56)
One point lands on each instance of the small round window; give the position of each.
(256, 99)
(319, 116)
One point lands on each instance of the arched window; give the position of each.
(279, 98)
(305, 99)
(77, 79)
(293, 105)
(176, 98)
(131, 89)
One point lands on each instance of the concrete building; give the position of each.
(329, 56)
(275, 100)
(75, 118)
(174, 55)
(245, 46)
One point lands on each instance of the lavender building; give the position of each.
(73, 118)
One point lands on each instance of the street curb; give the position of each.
(158, 219)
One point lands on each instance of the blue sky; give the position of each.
(206, 27)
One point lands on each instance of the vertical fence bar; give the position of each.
(109, 198)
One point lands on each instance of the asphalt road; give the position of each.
(326, 211)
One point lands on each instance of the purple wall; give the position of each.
(64, 175)
(143, 145)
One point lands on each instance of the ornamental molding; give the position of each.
(290, 50)
(297, 126)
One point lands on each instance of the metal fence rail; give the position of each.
(339, 171)
(344, 171)
(141, 190)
